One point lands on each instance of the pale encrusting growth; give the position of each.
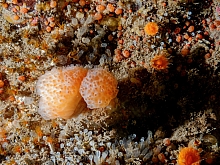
(59, 92)
(164, 55)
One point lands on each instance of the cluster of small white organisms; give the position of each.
(91, 149)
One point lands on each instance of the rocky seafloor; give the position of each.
(158, 110)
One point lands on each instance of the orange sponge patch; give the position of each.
(59, 92)
(188, 156)
(98, 88)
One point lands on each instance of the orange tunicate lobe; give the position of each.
(151, 28)
(189, 156)
(98, 88)
(64, 92)
(59, 92)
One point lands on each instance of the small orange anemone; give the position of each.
(151, 28)
(160, 62)
(189, 156)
